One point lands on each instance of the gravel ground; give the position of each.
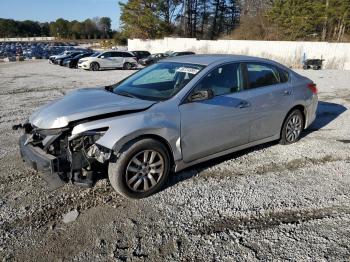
(270, 202)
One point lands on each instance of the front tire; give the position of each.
(141, 169)
(94, 66)
(292, 127)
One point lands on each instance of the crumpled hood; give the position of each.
(81, 104)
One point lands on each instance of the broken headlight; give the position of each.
(50, 132)
(86, 142)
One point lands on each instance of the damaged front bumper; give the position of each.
(39, 160)
(61, 157)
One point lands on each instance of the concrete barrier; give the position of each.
(336, 55)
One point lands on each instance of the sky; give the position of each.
(50, 10)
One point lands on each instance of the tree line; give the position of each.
(326, 20)
(319, 20)
(96, 28)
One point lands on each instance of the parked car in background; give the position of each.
(72, 62)
(53, 58)
(315, 64)
(152, 59)
(141, 54)
(109, 59)
(39, 50)
(182, 53)
(173, 114)
(59, 60)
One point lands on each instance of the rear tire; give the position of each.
(292, 127)
(94, 66)
(127, 66)
(141, 169)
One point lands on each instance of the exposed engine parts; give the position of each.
(77, 159)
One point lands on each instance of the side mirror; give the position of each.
(102, 56)
(201, 95)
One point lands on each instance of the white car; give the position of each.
(109, 59)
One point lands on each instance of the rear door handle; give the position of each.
(243, 104)
(287, 93)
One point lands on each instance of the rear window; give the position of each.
(117, 54)
(284, 75)
(260, 75)
(128, 55)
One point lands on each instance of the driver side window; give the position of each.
(222, 80)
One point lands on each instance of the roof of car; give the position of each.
(210, 59)
(119, 51)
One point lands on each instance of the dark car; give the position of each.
(182, 53)
(315, 64)
(154, 58)
(141, 54)
(60, 59)
(72, 62)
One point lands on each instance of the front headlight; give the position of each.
(50, 132)
(94, 134)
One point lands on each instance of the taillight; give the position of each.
(312, 87)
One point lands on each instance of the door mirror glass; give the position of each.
(201, 95)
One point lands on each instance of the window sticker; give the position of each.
(188, 70)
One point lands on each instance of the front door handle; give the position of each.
(243, 104)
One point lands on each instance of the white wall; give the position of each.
(336, 55)
(27, 39)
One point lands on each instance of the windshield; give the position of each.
(158, 82)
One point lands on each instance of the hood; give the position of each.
(62, 56)
(82, 104)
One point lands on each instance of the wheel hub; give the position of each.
(294, 127)
(144, 171)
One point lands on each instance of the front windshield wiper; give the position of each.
(123, 93)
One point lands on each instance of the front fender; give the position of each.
(123, 129)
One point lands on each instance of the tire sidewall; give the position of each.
(117, 167)
(127, 66)
(284, 140)
(93, 68)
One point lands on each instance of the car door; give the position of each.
(105, 60)
(270, 96)
(219, 123)
(118, 59)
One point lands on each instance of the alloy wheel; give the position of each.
(95, 67)
(144, 171)
(127, 66)
(294, 128)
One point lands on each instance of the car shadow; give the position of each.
(195, 170)
(325, 114)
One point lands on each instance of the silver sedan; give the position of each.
(166, 117)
